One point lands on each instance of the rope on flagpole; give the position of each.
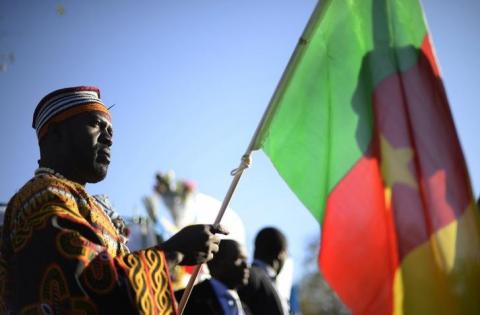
(236, 173)
(246, 162)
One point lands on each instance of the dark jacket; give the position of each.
(203, 301)
(260, 294)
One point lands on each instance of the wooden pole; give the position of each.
(237, 174)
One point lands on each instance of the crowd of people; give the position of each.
(234, 287)
(78, 245)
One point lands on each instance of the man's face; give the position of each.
(240, 266)
(88, 139)
(234, 264)
(282, 257)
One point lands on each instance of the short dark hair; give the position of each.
(224, 249)
(269, 242)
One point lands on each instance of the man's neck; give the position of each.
(265, 266)
(62, 170)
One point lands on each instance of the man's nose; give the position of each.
(106, 138)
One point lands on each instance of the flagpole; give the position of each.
(245, 163)
(297, 54)
(254, 145)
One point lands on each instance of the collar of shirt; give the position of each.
(267, 268)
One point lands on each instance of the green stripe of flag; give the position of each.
(312, 132)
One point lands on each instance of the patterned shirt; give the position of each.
(61, 254)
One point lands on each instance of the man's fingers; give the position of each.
(213, 248)
(209, 257)
(214, 239)
(220, 229)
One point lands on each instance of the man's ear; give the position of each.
(56, 132)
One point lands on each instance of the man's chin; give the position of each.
(98, 174)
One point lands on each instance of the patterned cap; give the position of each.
(65, 103)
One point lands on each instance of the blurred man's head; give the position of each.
(75, 133)
(271, 248)
(229, 265)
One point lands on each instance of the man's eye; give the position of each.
(94, 123)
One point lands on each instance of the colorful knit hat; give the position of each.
(65, 103)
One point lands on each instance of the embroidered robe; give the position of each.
(61, 254)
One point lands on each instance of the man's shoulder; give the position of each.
(41, 191)
(258, 273)
(202, 299)
(205, 285)
(259, 281)
(260, 293)
(200, 289)
(35, 203)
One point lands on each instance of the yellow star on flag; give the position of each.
(395, 168)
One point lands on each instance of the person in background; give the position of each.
(261, 294)
(218, 295)
(61, 251)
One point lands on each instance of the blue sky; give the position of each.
(190, 80)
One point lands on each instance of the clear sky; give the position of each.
(190, 80)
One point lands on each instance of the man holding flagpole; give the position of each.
(60, 251)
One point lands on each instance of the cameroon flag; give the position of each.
(360, 129)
